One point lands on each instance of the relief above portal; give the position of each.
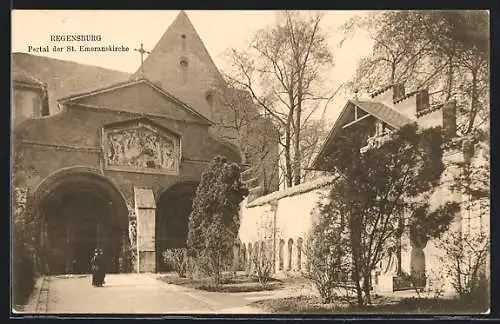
(141, 147)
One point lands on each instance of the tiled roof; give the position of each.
(387, 114)
(19, 75)
(64, 78)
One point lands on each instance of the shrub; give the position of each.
(263, 265)
(465, 261)
(214, 221)
(23, 271)
(329, 262)
(433, 284)
(178, 260)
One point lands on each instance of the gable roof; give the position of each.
(192, 82)
(65, 77)
(128, 83)
(181, 25)
(385, 113)
(377, 109)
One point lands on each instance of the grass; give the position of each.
(230, 284)
(381, 305)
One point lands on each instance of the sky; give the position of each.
(219, 30)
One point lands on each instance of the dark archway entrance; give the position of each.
(172, 215)
(81, 211)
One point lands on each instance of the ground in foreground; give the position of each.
(230, 284)
(381, 305)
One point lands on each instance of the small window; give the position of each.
(183, 36)
(184, 63)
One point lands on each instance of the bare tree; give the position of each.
(282, 72)
(444, 51)
(254, 134)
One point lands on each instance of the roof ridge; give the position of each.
(392, 109)
(131, 82)
(67, 61)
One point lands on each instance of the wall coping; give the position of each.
(293, 191)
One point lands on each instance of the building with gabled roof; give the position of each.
(283, 220)
(112, 160)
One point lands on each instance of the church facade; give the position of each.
(110, 160)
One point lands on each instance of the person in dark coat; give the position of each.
(98, 268)
(94, 267)
(102, 268)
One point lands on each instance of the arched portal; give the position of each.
(172, 215)
(80, 210)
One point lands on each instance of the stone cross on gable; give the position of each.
(142, 51)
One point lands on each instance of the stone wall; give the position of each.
(282, 220)
(286, 217)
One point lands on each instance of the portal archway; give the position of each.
(80, 210)
(172, 215)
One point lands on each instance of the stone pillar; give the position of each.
(145, 210)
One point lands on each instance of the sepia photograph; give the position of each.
(250, 162)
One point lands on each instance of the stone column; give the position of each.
(418, 242)
(145, 210)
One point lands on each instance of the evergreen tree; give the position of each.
(375, 188)
(214, 221)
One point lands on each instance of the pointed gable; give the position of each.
(181, 64)
(368, 109)
(140, 96)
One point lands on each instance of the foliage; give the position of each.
(23, 267)
(328, 255)
(465, 260)
(214, 221)
(434, 284)
(444, 51)
(255, 135)
(376, 187)
(282, 70)
(178, 259)
(383, 306)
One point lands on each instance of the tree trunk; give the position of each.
(450, 78)
(356, 273)
(359, 290)
(366, 288)
(288, 164)
(393, 73)
(296, 149)
(473, 108)
(288, 146)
